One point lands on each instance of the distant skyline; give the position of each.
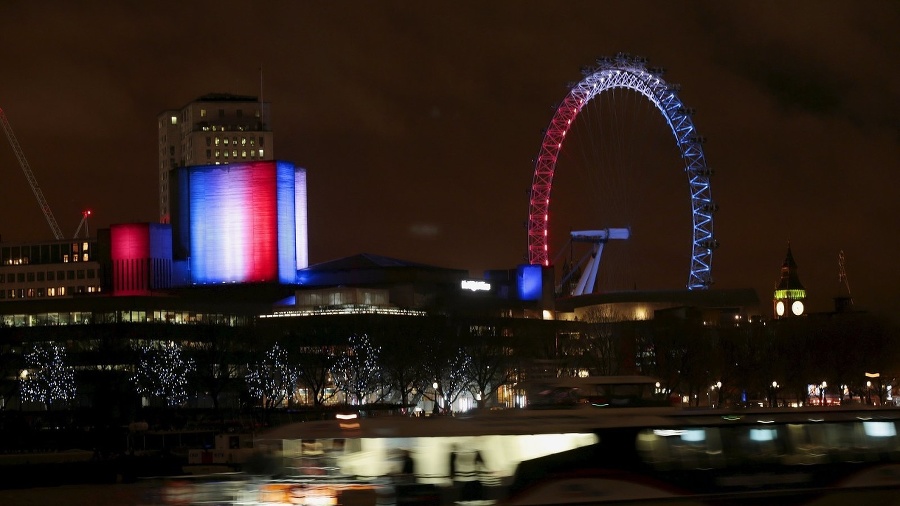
(418, 124)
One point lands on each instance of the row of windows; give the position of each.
(65, 259)
(45, 253)
(234, 153)
(239, 113)
(790, 444)
(52, 291)
(40, 276)
(234, 140)
(128, 316)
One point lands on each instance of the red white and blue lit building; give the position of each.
(235, 223)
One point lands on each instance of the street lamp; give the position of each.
(715, 389)
(435, 410)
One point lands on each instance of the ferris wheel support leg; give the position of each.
(588, 279)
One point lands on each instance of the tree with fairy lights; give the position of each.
(356, 371)
(162, 372)
(46, 377)
(273, 378)
(453, 378)
(447, 365)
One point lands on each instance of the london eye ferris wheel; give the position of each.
(593, 129)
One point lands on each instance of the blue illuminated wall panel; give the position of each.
(242, 222)
(529, 280)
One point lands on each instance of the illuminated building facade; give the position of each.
(50, 269)
(240, 223)
(790, 296)
(141, 258)
(214, 129)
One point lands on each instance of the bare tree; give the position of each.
(218, 364)
(315, 364)
(488, 367)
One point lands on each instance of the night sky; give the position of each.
(418, 122)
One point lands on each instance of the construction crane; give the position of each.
(844, 301)
(48, 214)
(84, 223)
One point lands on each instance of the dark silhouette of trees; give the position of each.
(403, 365)
(314, 366)
(489, 366)
(219, 358)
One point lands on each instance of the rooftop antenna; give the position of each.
(262, 108)
(843, 301)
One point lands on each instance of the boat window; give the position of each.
(783, 444)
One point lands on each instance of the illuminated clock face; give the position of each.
(797, 308)
(779, 308)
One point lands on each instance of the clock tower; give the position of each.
(790, 296)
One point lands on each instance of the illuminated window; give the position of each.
(85, 258)
(244, 153)
(217, 153)
(65, 258)
(84, 246)
(243, 141)
(234, 153)
(225, 154)
(261, 154)
(253, 141)
(252, 153)
(225, 141)
(202, 113)
(256, 113)
(174, 120)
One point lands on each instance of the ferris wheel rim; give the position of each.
(624, 71)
